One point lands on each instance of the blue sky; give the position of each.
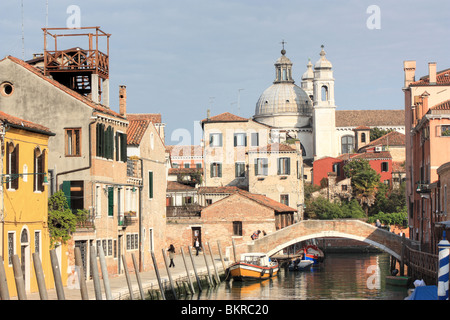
(182, 57)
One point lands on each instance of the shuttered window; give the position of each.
(110, 201)
(284, 166)
(39, 170)
(216, 170)
(150, 185)
(12, 166)
(106, 141)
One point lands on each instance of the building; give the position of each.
(427, 112)
(308, 112)
(88, 158)
(24, 228)
(186, 156)
(147, 174)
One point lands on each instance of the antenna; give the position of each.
(46, 13)
(23, 36)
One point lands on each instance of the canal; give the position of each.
(342, 276)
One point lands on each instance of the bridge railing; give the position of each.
(422, 265)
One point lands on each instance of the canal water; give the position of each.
(342, 276)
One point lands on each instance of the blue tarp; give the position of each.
(424, 293)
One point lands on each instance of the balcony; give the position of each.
(186, 211)
(423, 187)
(128, 219)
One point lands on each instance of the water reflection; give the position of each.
(341, 277)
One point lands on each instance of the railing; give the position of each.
(127, 220)
(193, 210)
(423, 187)
(422, 265)
(87, 60)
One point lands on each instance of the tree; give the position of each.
(376, 133)
(365, 181)
(61, 220)
(323, 209)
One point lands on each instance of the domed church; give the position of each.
(308, 112)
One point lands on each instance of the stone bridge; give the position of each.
(310, 229)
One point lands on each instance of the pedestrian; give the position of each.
(197, 246)
(171, 255)
(378, 223)
(255, 235)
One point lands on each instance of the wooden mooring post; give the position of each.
(191, 286)
(221, 257)
(172, 287)
(105, 276)
(211, 283)
(127, 277)
(214, 264)
(18, 277)
(195, 270)
(57, 275)
(80, 272)
(40, 276)
(94, 272)
(158, 277)
(138, 276)
(4, 292)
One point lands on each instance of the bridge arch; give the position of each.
(346, 228)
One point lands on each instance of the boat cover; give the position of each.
(424, 293)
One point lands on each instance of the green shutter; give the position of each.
(110, 201)
(123, 147)
(211, 170)
(220, 170)
(150, 185)
(66, 190)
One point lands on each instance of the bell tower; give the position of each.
(324, 109)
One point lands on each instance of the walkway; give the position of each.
(119, 287)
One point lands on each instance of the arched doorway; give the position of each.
(25, 257)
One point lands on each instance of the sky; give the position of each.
(183, 57)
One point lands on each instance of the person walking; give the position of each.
(197, 246)
(171, 255)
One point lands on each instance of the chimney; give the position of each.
(208, 114)
(409, 67)
(432, 72)
(122, 100)
(424, 110)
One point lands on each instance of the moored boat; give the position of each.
(402, 281)
(300, 265)
(254, 266)
(313, 253)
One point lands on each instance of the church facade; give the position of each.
(308, 112)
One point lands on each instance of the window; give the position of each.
(198, 165)
(73, 142)
(237, 228)
(240, 140)
(363, 137)
(74, 192)
(284, 166)
(216, 170)
(255, 139)
(12, 166)
(37, 242)
(208, 202)
(132, 241)
(284, 199)
(39, 170)
(110, 201)
(6, 89)
(336, 169)
(445, 131)
(347, 144)
(239, 169)
(187, 165)
(215, 139)
(150, 185)
(11, 246)
(98, 201)
(324, 93)
(261, 167)
(384, 166)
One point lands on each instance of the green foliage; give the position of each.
(398, 218)
(376, 133)
(61, 220)
(365, 182)
(323, 209)
(310, 188)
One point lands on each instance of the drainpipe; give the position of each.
(141, 234)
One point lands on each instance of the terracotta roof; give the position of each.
(225, 117)
(392, 138)
(369, 118)
(398, 166)
(221, 190)
(138, 124)
(184, 151)
(373, 155)
(274, 147)
(24, 124)
(176, 186)
(445, 105)
(442, 78)
(263, 200)
(184, 170)
(96, 106)
(361, 128)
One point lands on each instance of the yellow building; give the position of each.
(24, 208)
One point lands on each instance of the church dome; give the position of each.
(283, 97)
